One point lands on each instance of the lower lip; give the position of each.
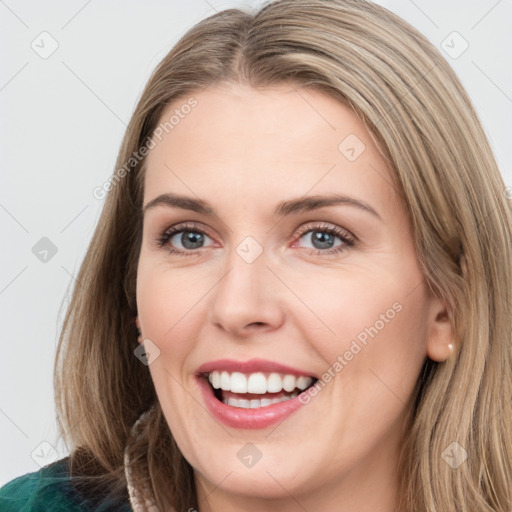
(238, 417)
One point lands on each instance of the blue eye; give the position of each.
(191, 237)
(323, 237)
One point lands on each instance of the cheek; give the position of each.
(345, 303)
(372, 324)
(172, 305)
(168, 307)
(165, 298)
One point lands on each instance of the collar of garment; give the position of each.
(136, 500)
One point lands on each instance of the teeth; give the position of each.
(224, 381)
(253, 404)
(289, 382)
(258, 383)
(303, 382)
(274, 383)
(238, 383)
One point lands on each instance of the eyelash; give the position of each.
(347, 239)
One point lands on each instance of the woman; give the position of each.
(298, 295)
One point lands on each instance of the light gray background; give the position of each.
(63, 118)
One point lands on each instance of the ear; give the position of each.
(441, 336)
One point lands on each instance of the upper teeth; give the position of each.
(259, 383)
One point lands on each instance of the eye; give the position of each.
(189, 236)
(322, 237)
(186, 239)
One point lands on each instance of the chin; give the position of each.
(256, 483)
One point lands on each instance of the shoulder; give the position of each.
(38, 490)
(50, 488)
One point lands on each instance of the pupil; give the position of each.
(196, 239)
(321, 240)
(320, 237)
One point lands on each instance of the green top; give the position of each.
(50, 489)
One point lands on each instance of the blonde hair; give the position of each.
(415, 107)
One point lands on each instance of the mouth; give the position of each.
(256, 390)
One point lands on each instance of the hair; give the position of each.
(426, 127)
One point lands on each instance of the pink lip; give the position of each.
(238, 417)
(251, 366)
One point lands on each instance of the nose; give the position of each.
(248, 298)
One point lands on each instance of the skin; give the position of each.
(243, 151)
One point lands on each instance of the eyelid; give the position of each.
(325, 226)
(347, 237)
(164, 236)
(186, 226)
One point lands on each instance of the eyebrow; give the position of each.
(289, 207)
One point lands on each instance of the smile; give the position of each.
(237, 389)
(252, 394)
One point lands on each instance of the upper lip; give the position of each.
(251, 366)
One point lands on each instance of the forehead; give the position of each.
(279, 141)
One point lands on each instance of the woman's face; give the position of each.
(258, 269)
